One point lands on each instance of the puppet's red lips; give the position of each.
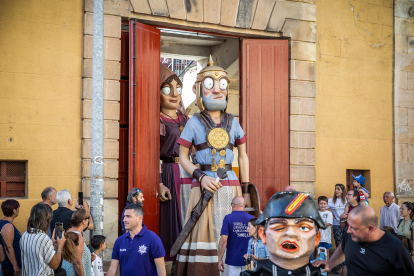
(218, 98)
(173, 101)
(289, 246)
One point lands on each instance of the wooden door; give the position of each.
(144, 120)
(123, 128)
(264, 112)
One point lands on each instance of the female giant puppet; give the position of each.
(214, 133)
(174, 181)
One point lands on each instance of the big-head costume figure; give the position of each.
(291, 232)
(175, 182)
(213, 133)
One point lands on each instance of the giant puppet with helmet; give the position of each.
(175, 182)
(213, 133)
(291, 224)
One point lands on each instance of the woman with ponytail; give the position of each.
(69, 248)
(406, 225)
(256, 249)
(81, 264)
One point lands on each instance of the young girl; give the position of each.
(256, 249)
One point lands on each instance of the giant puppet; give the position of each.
(291, 232)
(213, 133)
(175, 182)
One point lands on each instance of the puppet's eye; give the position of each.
(179, 90)
(166, 90)
(223, 84)
(208, 83)
(304, 228)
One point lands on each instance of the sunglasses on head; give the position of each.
(137, 192)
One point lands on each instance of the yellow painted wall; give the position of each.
(40, 93)
(354, 94)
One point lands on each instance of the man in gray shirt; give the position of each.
(390, 212)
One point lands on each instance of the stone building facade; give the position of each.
(351, 88)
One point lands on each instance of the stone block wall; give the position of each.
(404, 99)
(112, 57)
(302, 101)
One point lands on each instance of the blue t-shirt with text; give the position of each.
(136, 256)
(235, 227)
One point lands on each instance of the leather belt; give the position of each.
(170, 160)
(214, 168)
(205, 146)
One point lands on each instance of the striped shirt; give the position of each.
(37, 252)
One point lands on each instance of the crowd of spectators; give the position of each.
(383, 244)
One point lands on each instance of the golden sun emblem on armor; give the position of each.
(218, 138)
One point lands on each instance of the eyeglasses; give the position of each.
(232, 204)
(349, 194)
(87, 217)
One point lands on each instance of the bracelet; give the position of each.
(245, 183)
(59, 251)
(201, 178)
(197, 173)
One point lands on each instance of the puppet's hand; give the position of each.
(210, 184)
(165, 193)
(247, 201)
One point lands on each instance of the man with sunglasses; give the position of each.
(235, 238)
(135, 196)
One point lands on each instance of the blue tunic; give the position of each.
(194, 133)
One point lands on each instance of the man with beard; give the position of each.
(368, 250)
(291, 232)
(214, 133)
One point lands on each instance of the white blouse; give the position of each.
(337, 209)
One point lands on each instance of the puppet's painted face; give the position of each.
(290, 238)
(170, 95)
(214, 93)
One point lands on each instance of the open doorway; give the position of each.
(258, 97)
(186, 53)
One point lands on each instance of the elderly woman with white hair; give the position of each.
(64, 213)
(134, 196)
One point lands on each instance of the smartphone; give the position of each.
(58, 230)
(80, 197)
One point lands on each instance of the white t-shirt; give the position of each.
(327, 217)
(337, 209)
(97, 266)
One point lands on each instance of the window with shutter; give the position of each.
(13, 178)
(365, 173)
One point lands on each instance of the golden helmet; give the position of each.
(214, 72)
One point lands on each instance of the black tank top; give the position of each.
(16, 246)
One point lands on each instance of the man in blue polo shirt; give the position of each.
(139, 251)
(235, 237)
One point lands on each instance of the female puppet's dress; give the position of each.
(177, 180)
(199, 253)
